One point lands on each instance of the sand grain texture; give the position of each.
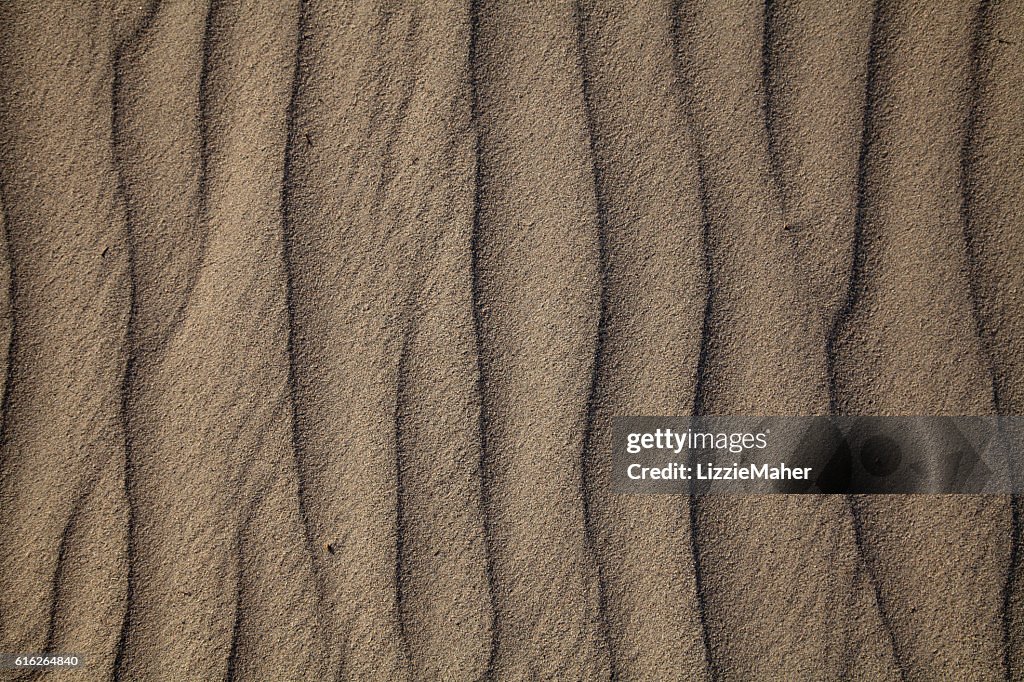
(314, 317)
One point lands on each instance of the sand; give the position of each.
(314, 317)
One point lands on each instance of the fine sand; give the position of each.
(314, 317)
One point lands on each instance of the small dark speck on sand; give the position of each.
(106, 250)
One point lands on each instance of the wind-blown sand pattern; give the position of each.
(314, 317)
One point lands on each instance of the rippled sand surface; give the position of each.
(314, 316)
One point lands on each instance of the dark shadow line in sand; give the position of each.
(9, 374)
(768, 40)
(11, 294)
(180, 314)
(202, 191)
(236, 625)
(587, 454)
(1010, 587)
(855, 289)
(680, 37)
(288, 259)
(387, 75)
(858, 529)
(122, 640)
(857, 263)
(213, 13)
(401, 373)
(9, 368)
(981, 32)
(698, 410)
(62, 550)
(246, 518)
(486, 506)
(118, 136)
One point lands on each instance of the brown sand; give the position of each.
(315, 315)
(994, 204)
(648, 198)
(63, 550)
(913, 329)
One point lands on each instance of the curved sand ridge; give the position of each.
(315, 317)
